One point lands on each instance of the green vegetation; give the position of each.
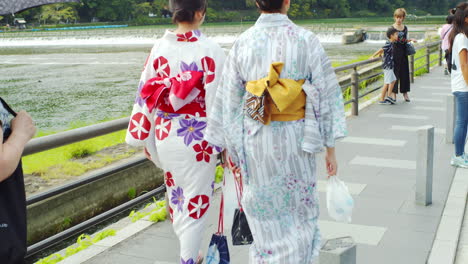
(62, 161)
(131, 194)
(137, 12)
(159, 213)
(83, 241)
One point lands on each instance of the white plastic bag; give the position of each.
(339, 202)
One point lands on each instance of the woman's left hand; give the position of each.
(331, 163)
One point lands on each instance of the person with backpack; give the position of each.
(444, 36)
(16, 133)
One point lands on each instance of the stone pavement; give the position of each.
(377, 161)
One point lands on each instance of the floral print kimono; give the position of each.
(176, 90)
(278, 160)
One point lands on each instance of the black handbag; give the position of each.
(410, 50)
(240, 232)
(12, 212)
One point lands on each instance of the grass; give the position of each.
(63, 161)
(83, 241)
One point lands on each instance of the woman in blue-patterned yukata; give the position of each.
(278, 104)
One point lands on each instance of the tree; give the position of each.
(58, 13)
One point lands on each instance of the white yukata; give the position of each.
(176, 90)
(278, 160)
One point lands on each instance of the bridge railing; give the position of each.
(354, 75)
(353, 79)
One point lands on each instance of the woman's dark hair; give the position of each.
(459, 22)
(391, 31)
(270, 5)
(184, 10)
(450, 19)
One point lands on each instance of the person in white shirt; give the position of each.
(459, 79)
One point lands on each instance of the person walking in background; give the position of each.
(175, 95)
(15, 133)
(444, 36)
(459, 82)
(400, 56)
(280, 103)
(388, 65)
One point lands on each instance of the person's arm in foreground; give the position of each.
(23, 130)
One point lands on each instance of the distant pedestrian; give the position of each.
(388, 66)
(177, 89)
(459, 76)
(444, 36)
(400, 56)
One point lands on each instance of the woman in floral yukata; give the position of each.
(176, 91)
(279, 103)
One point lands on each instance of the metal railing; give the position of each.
(358, 76)
(353, 80)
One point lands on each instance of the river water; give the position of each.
(83, 78)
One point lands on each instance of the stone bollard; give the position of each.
(449, 118)
(424, 165)
(340, 250)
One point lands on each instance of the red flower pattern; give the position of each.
(187, 37)
(139, 126)
(209, 67)
(163, 127)
(204, 151)
(161, 66)
(169, 180)
(198, 206)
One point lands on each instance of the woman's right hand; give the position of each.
(23, 125)
(148, 156)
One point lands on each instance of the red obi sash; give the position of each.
(182, 94)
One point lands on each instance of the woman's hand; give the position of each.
(413, 40)
(23, 126)
(148, 156)
(233, 167)
(330, 162)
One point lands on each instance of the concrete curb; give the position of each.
(444, 248)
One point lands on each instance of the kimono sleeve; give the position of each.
(140, 132)
(224, 125)
(330, 113)
(212, 84)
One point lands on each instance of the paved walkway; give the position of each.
(377, 161)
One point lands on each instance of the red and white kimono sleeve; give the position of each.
(141, 128)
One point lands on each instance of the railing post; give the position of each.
(355, 92)
(411, 64)
(450, 106)
(441, 54)
(428, 59)
(424, 165)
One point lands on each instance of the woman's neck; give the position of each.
(185, 27)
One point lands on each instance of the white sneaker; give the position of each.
(460, 161)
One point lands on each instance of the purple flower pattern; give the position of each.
(188, 67)
(166, 115)
(191, 129)
(189, 261)
(178, 198)
(140, 101)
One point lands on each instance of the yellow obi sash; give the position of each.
(275, 99)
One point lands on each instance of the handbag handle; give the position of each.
(7, 107)
(239, 185)
(221, 211)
